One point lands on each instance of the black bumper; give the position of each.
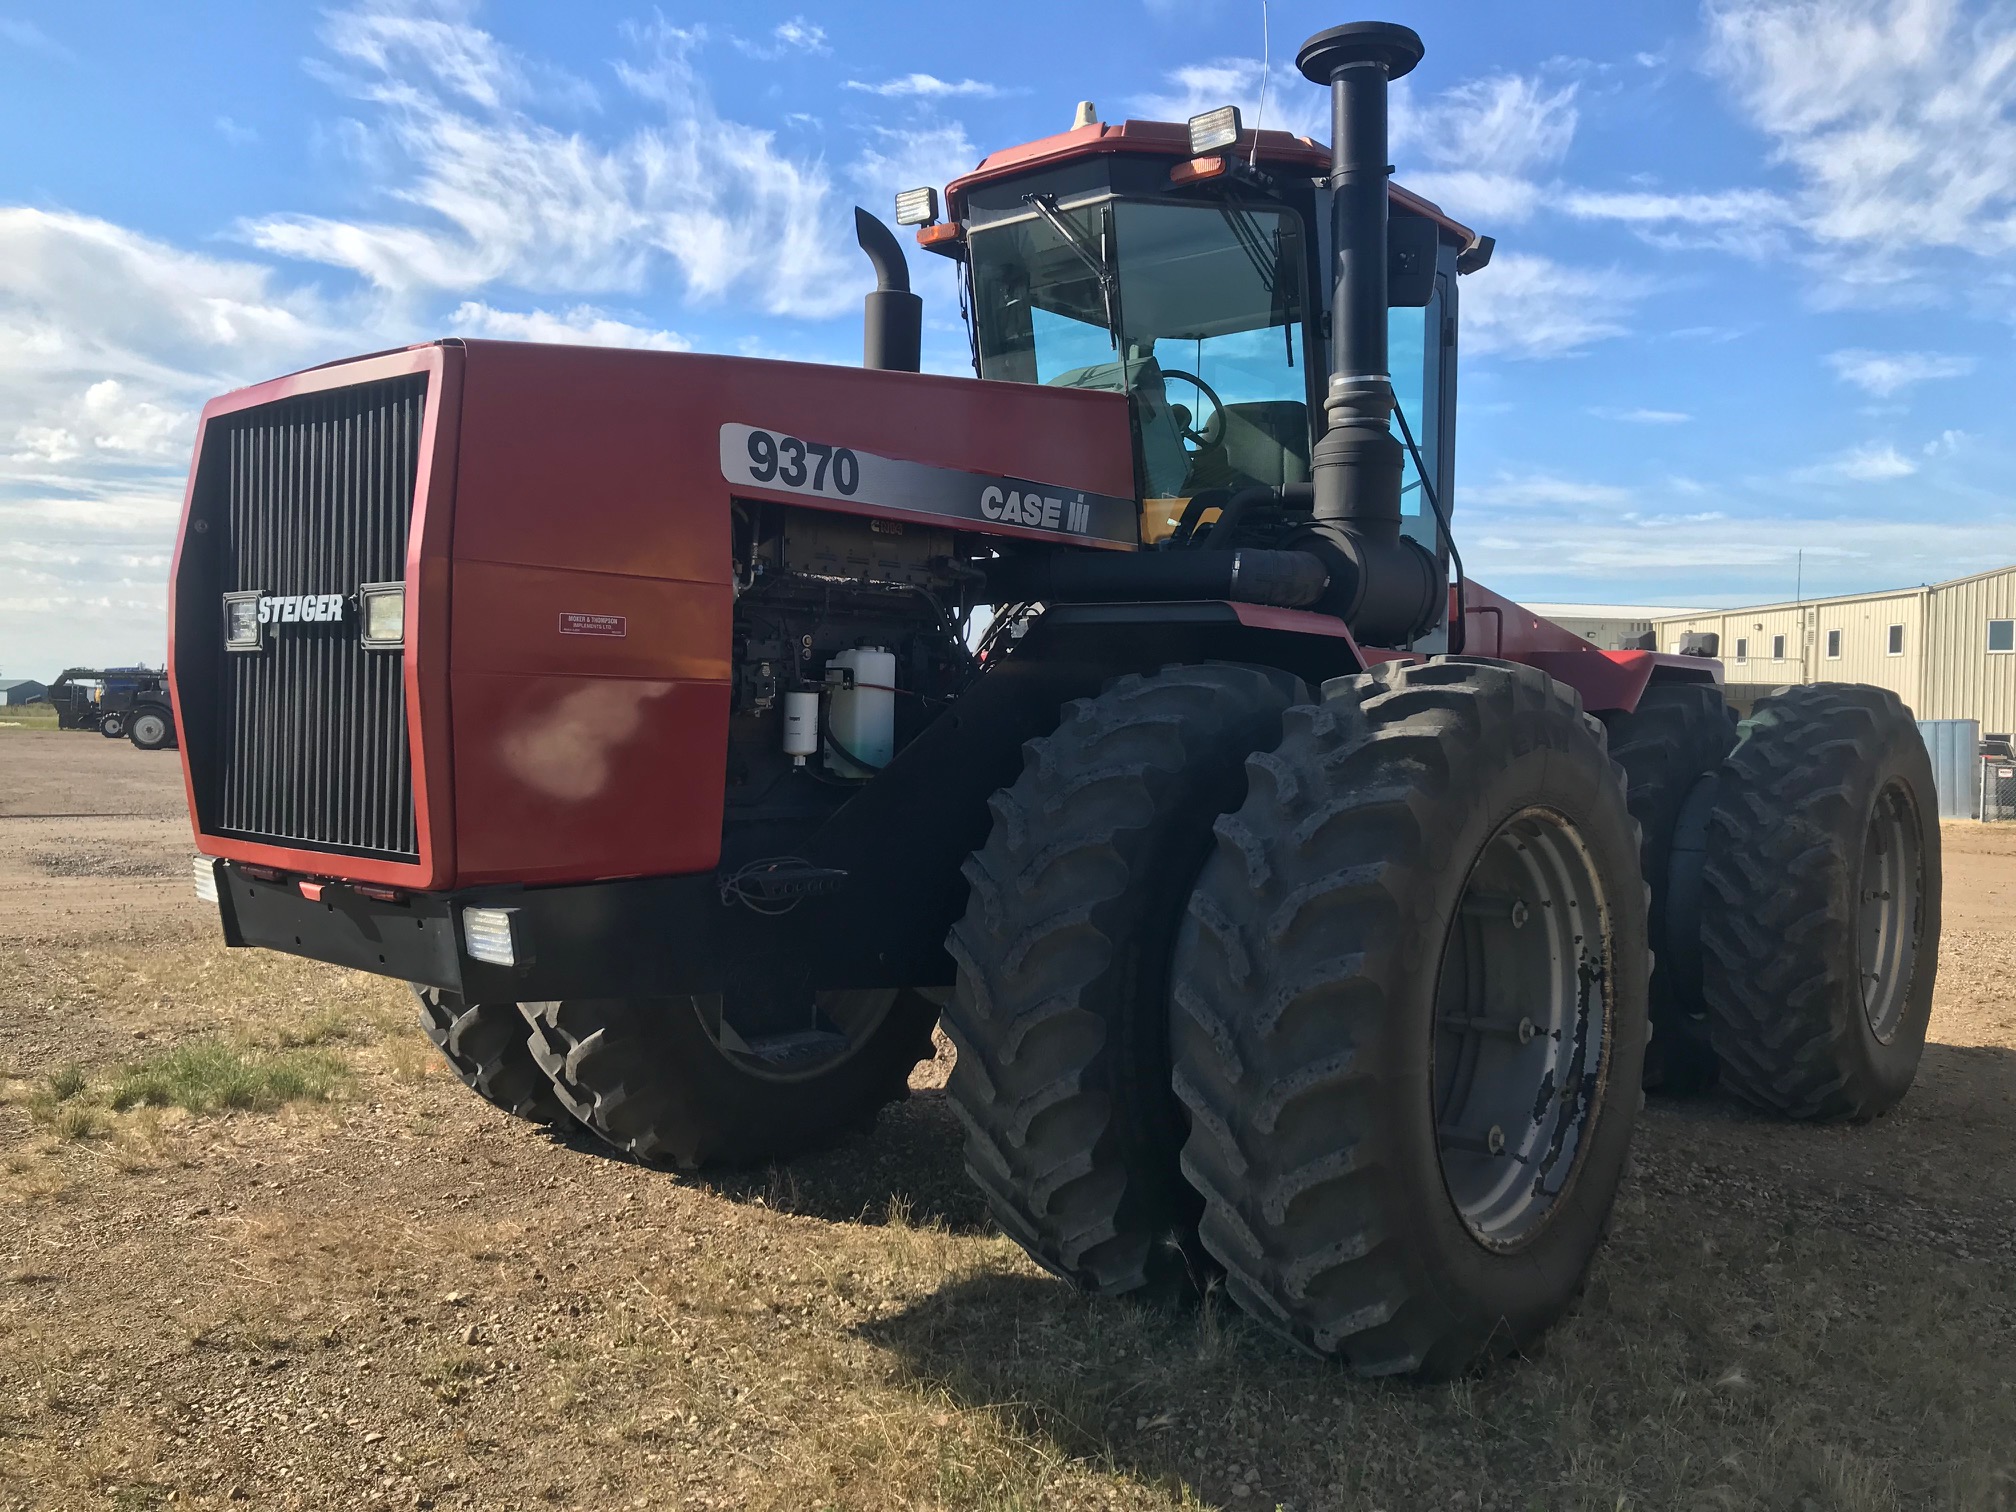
(647, 936)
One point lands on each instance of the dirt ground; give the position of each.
(384, 1294)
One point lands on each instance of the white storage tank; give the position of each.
(863, 718)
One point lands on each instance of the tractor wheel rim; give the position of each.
(1888, 908)
(1523, 1014)
(840, 1023)
(147, 727)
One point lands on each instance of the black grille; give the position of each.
(312, 496)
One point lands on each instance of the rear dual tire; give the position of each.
(1820, 920)
(1428, 910)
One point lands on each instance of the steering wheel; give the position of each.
(1200, 438)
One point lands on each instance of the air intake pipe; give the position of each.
(893, 319)
(1387, 587)
(1285, 579)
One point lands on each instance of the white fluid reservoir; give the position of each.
(801, 725)
(863, 718)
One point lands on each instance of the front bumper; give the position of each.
(640, 936)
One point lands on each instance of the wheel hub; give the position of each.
(1888, 909)
(1522, 1028)
(840, 1022)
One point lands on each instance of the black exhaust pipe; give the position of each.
(1395, 585)
(893, 320)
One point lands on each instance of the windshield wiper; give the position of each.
(1094, 258)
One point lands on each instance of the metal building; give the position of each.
(20, 690)
(1608, 627)
(1948, 650)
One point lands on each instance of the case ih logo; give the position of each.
(301, 608)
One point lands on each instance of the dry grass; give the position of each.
(392, 1296)
(38, 716)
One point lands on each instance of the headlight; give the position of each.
(205, 869)
(916, 207)
(383, 615)
(241, 621)
(486, 932)
(1214, 129)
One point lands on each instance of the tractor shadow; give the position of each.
(907, 1166)
(1199, 1401)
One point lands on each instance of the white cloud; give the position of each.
(1545, 490)
(1292, 103)
(927, 87)
(1748, 222)
(26, 34)
(796, 35)
(1642, 416)
(582, 325)
(491, 194)
(237, 133)
(1482, 143)
(1868, 463)
(1946, 443)
(1899, 119)
(1885, 373)
(1524, 305)
(109, 342)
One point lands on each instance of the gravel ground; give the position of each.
(397, 1297)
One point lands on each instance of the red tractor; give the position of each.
(1292, 902)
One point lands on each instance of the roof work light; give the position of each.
(916, 207)
(1214, 129)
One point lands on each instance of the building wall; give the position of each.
(1964, 679)
(1945, 670)
(1604, 634)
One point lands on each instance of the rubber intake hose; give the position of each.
(1286, 579)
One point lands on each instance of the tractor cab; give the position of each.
(1185, 267)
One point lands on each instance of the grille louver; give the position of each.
(314, 495)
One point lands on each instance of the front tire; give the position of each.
(112, 726)
(486, 1044)
(670, 1082)
(1409, 1017)
(1820, 925)
(1060, 1015)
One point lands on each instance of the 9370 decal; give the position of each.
(774, 459)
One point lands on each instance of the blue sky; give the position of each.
(1753, 296)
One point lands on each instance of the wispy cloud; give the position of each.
(486, 192)
(1525, 305)
(1478, 148)
(580, 325)
(1885, 373)
(26, 34)
(925, 86)
(1868, 463)
(794, 36)
(1899, 119)
(1642, 416)
(1292, 104)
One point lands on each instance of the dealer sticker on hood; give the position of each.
(773, 459)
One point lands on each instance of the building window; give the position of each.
(2002, 635)
(1777, 648)
(1742, 649)
(1833, 645)
(1896, 640)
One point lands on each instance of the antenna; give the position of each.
(1266, 67)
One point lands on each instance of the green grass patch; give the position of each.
(65, 1082)
(208, 1076)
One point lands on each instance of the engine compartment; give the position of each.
(810, 587)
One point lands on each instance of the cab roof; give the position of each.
(1170, 139)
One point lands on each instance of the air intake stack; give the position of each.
(1391, 588)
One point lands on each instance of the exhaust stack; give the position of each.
(1393, 589)
(893, 318)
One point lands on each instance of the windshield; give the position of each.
(1193, 311)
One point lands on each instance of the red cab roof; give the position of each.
(1167, 139)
